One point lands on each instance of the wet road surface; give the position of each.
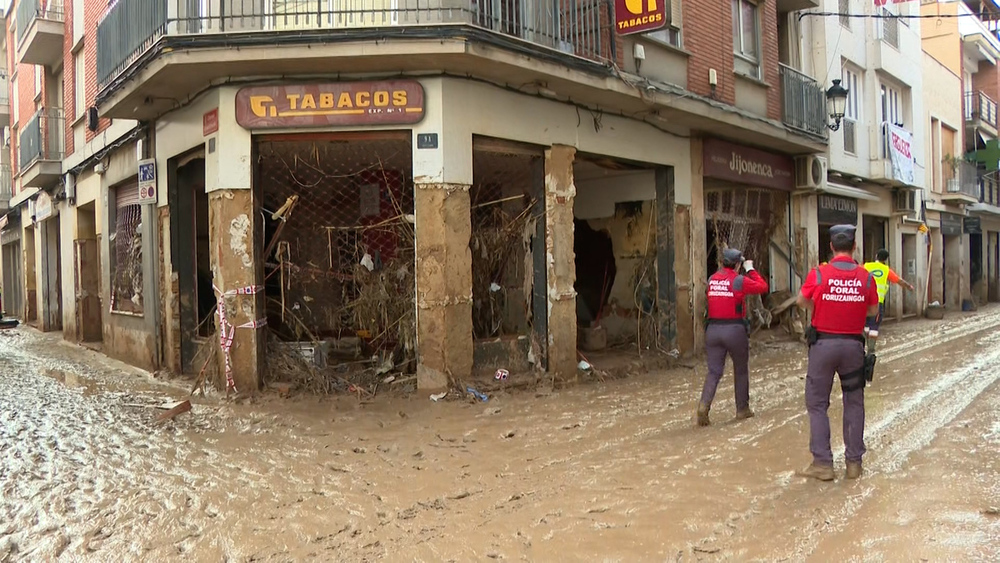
(609, 472)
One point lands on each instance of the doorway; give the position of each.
(908, 271)
(874, 236)
(190, 254)
(976, 270)
(30, 280)
(51, 276)
(13, 299)
(87, 271)
(993, 267)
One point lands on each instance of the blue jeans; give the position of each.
(874, 322)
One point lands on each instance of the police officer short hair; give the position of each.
(882, 255)
(842, 237)
(731, 257)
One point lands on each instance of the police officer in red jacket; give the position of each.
(727, 332)
(841, 294)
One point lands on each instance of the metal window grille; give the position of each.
(503, 224)
(126, 241)
(890, 28)
(342, 268)
(850, 136)
(844, 7)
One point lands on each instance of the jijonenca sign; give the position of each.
(640, 16)
(729, 161)
(313, 105)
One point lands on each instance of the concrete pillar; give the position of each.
(234, 227)
(699, 245)
(561, 268)
(936, 266)
(444, 284)
(685, 287)
(666, 298)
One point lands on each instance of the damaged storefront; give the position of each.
(747, 196)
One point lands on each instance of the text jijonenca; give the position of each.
(741, 166)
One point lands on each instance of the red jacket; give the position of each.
(727, 291)
(841, 292)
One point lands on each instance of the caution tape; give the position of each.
(227, 331)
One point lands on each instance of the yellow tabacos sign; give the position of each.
(349, 103)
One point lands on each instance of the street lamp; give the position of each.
(836, 100)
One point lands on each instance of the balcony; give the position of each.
(961, 184)
(803, 102)
(4, 100)
(40, 150)
(39, 32)
(980, 113)
(146, 47)
(989, 189)
(6, 187)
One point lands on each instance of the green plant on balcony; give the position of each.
(956, 161)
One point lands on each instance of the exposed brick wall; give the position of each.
(708, 36)
(69, 78)
(987, 81)
(93, 12)
(769, 45)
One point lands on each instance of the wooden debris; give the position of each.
(181, 407)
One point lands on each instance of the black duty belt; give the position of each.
(827, 335)
(726, 321)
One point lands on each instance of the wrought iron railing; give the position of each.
(803, 102)
(890, 28)
(980, 107)
(42, 138)
(989, 188)
(28, 10)
(130, 27)
(964, 181)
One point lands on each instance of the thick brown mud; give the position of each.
(612, 472)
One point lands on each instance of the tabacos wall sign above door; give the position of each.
(389, 102)
(640, 16)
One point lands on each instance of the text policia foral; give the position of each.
(719, 288)
(844, 290)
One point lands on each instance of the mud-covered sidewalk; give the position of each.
(614, 471)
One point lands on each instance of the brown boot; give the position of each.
(745, 413)
(853, 470)
(703, 414)
(819, 472)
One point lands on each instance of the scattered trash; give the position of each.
(385, 367)
(992, 511)
(481, 396)
(501, 375)
(935, 304)
(367, 262)
(438, 396)
(584, 365)
(494, 287)
(675, 353)
(389, 379)
(181, 407)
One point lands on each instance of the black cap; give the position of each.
(731, 256)
(842, 233)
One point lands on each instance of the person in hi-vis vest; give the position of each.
(884, 276)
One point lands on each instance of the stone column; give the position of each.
(234, 225)
(444, 284)
(561, 268)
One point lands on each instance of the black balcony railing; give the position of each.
(130, 27)
(803, 102)
(989, 189)
(28, 10)
(42, 138)
(964, 180)
(980, 107)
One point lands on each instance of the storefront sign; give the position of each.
(43, 206)
(388, 102)
(973, 226)
(147, 181)
(210, 122)
(951, 225)
(640, 16)
(728, 161)
(834, 210)
(900, 145)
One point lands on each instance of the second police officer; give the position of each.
(727, 331)
(841, 294)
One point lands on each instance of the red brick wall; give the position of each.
(708, 36)
(69, 79)
(987, 81)
(93, 12)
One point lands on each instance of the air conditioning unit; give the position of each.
(953, 186)
(905, 201)
(810, 172)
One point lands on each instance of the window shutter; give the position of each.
(126, 195)
(675, 13)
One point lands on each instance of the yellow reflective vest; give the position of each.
(880, 272)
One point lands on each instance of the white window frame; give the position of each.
(39, 72)
(79, 7)
(671, 35)
(891, 105)
(751, 65)
(852, 81)
(79, 84)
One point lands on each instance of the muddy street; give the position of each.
(614, 471)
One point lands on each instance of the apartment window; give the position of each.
(852, 113)
(890, 28)
(844, 7)
(672, 34)
(39, 72)
(891, 107)
(126, 249)
(746, 39)
(15, 106)
(79, 84)
(78, 8)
